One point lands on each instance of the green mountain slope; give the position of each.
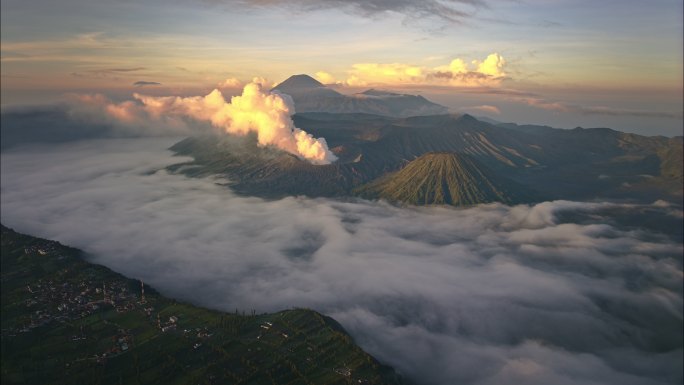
(578, 164)
(66, 321)
(445, 178)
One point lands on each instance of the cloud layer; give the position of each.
(545, 104)
(556, 293)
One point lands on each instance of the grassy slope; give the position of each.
(239, 350)
(444, 178)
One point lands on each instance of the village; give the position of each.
(73, 295)
(64, 299)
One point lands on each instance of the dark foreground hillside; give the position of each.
(66, 321)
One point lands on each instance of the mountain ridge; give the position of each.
(582, 164)
(310, 95)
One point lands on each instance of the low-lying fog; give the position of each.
(556, 293)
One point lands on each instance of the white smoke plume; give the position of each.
(267, 114)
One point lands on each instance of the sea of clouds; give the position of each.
(554, 293)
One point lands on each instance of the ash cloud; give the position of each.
(266, 114)
(556, 293)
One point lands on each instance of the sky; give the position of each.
(562, 63)
(557, 292)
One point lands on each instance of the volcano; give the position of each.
(445, 178)
(310, 95)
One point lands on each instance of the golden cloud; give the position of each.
(230, 83)
(458, 73)
(325, 77)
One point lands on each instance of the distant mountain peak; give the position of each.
(310, 95)
(301, 81)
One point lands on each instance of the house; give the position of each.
(168, 328)
(343, 371)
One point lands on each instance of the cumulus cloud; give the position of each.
(555, 293)
(264, 82)
(325, 77)
(458, 73)
(491, 70)
(230, 83)
(493, 65)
